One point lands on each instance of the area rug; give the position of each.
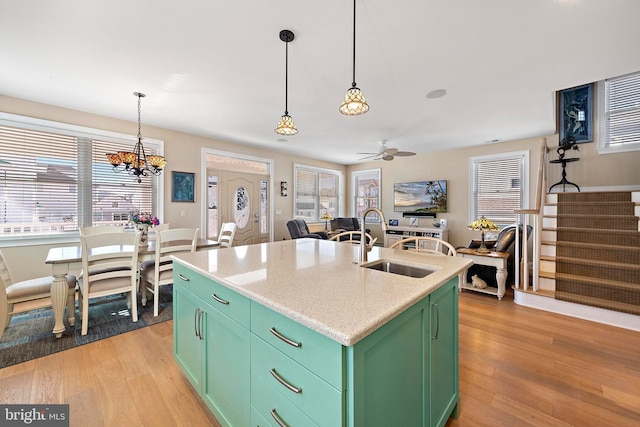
(29, 336)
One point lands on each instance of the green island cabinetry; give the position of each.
(256, 367)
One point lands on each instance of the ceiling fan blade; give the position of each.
(405, 153)
(368, 157)
(390, 151)
(387, 157)
(375, 154)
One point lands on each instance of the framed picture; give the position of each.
(182, 186)
(283, 188)
(576, 113)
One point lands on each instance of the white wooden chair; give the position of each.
(227, 233)
(353, 237)
(159, 272)
(99, 229)
(109, 266)
(29, 295)
(425, 245)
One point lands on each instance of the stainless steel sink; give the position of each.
(397, 268)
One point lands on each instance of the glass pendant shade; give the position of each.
(354, 103)
(286, 126)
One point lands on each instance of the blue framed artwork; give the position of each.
(182, 187)
(576, 113)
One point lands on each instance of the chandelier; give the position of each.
(136, 162)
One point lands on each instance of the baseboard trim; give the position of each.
(594, 314)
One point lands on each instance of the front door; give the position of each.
(244, 200)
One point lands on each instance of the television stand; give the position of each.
(395, 234)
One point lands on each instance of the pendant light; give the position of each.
(354, 103)
(136, 162)
(286, 125)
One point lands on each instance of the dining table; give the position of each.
(69, 258)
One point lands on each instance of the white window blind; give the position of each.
(55, 180)
(622, 112)
(316, 191)
(499, 187)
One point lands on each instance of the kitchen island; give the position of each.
(298, 333)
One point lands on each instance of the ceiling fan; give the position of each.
(386, 153)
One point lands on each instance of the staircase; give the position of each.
(590, 249)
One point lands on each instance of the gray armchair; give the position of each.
(347, 224)
(298, 229)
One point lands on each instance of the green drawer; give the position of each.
(269, 403)
(315, 397)
(228, 302)
(317, 353)
(258, 420)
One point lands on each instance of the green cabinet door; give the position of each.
(228, 369)
(443, 354)
(187, 341)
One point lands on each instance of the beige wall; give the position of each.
(183, 152)
(593, 170)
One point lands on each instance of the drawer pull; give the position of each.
(276, 417)
(284, 382)
(285, 339)
(195, 322)
(220, 300)
(186, 279)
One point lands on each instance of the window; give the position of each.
(620, 114)
(499, 186)
(55, 178)
(316, 191)
(366, 193)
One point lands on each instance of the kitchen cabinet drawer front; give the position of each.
(216, 295)
(319, 354)
(269, 403)
(258, 420)
(313, 396)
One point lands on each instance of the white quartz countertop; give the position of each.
(320, 284)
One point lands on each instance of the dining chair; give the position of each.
(99, 229)
(227, 233)
(425, 244)
(34, 293)
(159, 271)
(109, 266)
(353, 237)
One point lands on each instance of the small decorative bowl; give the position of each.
(436, 223)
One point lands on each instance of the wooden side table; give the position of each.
(492, 259)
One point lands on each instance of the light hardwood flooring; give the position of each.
(518, 367)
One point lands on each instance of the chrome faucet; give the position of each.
(364, 249)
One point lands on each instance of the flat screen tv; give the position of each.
(421, 196)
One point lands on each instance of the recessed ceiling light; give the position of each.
(281, 140)
(438, 93)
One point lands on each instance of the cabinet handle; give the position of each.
(284, 382)
(435, 337)
(276, 417)
(195, 322)
(201, 313)
(220, 300)
(285, 339)
(186, 279)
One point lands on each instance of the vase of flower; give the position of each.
(142, 223)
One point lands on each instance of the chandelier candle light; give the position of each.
(136, 162)
(326, 218)
(483, 224)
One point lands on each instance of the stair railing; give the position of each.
(522, 219)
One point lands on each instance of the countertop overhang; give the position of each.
(321, 285)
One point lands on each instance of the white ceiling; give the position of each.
(216, 68)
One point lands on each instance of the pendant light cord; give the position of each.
(353, 84)
(286, 78)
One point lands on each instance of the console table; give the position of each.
(395, 234)
(493, 259)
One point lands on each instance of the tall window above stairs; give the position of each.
(619, 120)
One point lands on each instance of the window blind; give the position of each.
(622, 110)
(497, 189)
(315, 192)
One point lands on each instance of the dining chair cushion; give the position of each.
(32, 287)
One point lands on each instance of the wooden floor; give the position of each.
(518, 367)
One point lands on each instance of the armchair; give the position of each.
(298, 229)
(346, 224)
